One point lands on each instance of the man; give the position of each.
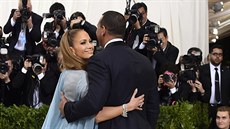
(136, 29)
(25, 27)
(59, 25)
(216, 81)
(164, 53)
(36, 81)
(114, 73)
(223, 117)
(8, 95)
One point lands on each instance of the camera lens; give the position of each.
(37, 68)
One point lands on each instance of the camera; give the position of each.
(190, 65)
(25, 12)
(152, 31)
(191, 61)
(49, 36)
(169, 76)
(134, 15)
(57, 14)
(36, 60)
(3, 67)
(3, 51)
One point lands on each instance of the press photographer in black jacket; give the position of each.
(24, 25)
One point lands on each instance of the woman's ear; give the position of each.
(72, 50)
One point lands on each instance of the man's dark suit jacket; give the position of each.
(31, 37)
(26, 83)
(114, 73)
(168, 56)
(205, 79)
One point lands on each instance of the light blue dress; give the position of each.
(74, 84)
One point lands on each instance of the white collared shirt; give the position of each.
(113, 40)
(212, 75)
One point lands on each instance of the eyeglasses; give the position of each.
(217, 54)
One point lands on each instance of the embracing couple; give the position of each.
(104, 97)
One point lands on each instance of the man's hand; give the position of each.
(62, 104)
(16, 15)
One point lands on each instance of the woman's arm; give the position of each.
(108, 113)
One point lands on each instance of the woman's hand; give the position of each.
(135, 103)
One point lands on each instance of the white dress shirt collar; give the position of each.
(113, 40)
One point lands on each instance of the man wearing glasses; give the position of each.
(216, 82)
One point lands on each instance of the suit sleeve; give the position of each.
(153, 108)
(8, 27)
(92, 103)
(35, 33)
(91, 29)
(169, 59)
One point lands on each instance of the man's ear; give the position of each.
(103, 30)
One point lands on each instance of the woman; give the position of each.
(76, 48)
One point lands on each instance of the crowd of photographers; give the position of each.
(29, 68)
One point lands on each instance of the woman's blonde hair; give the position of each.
(69, 60)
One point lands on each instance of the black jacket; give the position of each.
(114, 73)
(31, 37)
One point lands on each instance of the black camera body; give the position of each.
(49, 36)
(50, 39)
(57, 14)
(3, 67)
(36, 60)
(190, 63)
(134, 15)
(152, 31)
(169, 77)
(25, 12)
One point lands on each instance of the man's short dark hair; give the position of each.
(114, 23)
(164, 31)
(56, 6)
(139, 5)
(77, 14)
(216, 46)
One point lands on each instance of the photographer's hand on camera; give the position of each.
(137, 25)
(146, 39)
(196, 86)
(16, 15)
(27, 64)
(5, 77)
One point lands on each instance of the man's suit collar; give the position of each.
(113, 40)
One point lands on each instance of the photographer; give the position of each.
(36, 81)
(168, 85)
(164, 52)
(138, 21)
(24, 25)
(59, 24)
(189, 74)
(8, 95)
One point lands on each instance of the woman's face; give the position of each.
(82, 45)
